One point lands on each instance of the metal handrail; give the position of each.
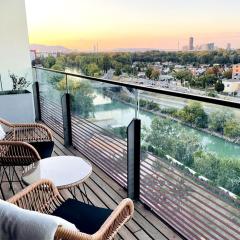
(205, 99)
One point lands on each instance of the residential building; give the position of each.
(231, 86)
(33, 55)
(236, 71)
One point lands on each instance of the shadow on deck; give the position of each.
(102, 191)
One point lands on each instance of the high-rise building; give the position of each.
(191, 40)
(207, 47)
(228, 46)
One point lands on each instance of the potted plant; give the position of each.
(16, 105)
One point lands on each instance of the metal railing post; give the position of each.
(133, 158)
(66, 113)
(36, 100)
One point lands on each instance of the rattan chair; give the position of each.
(17, 153)
(13, 154)
(30, 132)
(38, 135)
(44, 197)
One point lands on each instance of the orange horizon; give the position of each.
(136, 24)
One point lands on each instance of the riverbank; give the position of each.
(122, 99)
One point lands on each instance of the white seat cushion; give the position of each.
(2, 133)
(20, 224)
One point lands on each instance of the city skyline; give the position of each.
(152, 24)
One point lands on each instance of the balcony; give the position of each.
(176, 194)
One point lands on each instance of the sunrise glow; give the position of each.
(132, 24)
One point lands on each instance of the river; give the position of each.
(120, 114)
(112, 113)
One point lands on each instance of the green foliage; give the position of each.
(228, 74)
(229, 175)
(219, 86)
(170, 111)
(168, 138)
(206, 164)
(150, 105)
(223, 172)
(120, 131)
(92, 69)
(57, 67)
(82, 96)
(48, 62)
(212, 94)
(106, 63)
(19, 83)
(194, 113)
(149, 72)
(218, 119)
(232, 128)
(183, 76)
(83, 100)
(155, 74)
(118, 71)
(195, 58)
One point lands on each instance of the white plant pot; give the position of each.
(17, 106)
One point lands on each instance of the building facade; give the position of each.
(191, 44)
(236, 72)
(14, 45)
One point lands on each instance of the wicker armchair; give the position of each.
(12, 154)
(16, 153)
(38, 135)
(44, 197)
(33, 132)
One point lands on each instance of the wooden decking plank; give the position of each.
(156, 232)
(138, 218)
(101, 203)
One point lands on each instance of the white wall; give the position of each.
(14, 45)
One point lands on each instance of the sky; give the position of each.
(116, 24)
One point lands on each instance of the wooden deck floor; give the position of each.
(102, 191)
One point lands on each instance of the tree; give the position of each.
(218, 119)
(155, 74)
(219, 86)
(57, 67)
(228, 74)
(194, 113)
(166, 137)
(210, 80)
(207, 164)
(228, 176)
(106, 63)
(82, 96)
(183, 76)
(149, 72)
(48, 62)
(232, 128)
(92, 69)
(213, 70)
(118, 71)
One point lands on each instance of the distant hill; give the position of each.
(49, 49)
(140, 49)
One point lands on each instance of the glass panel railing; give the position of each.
(51, 86)
(99, 122)
(190, 167)
(190, 151)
